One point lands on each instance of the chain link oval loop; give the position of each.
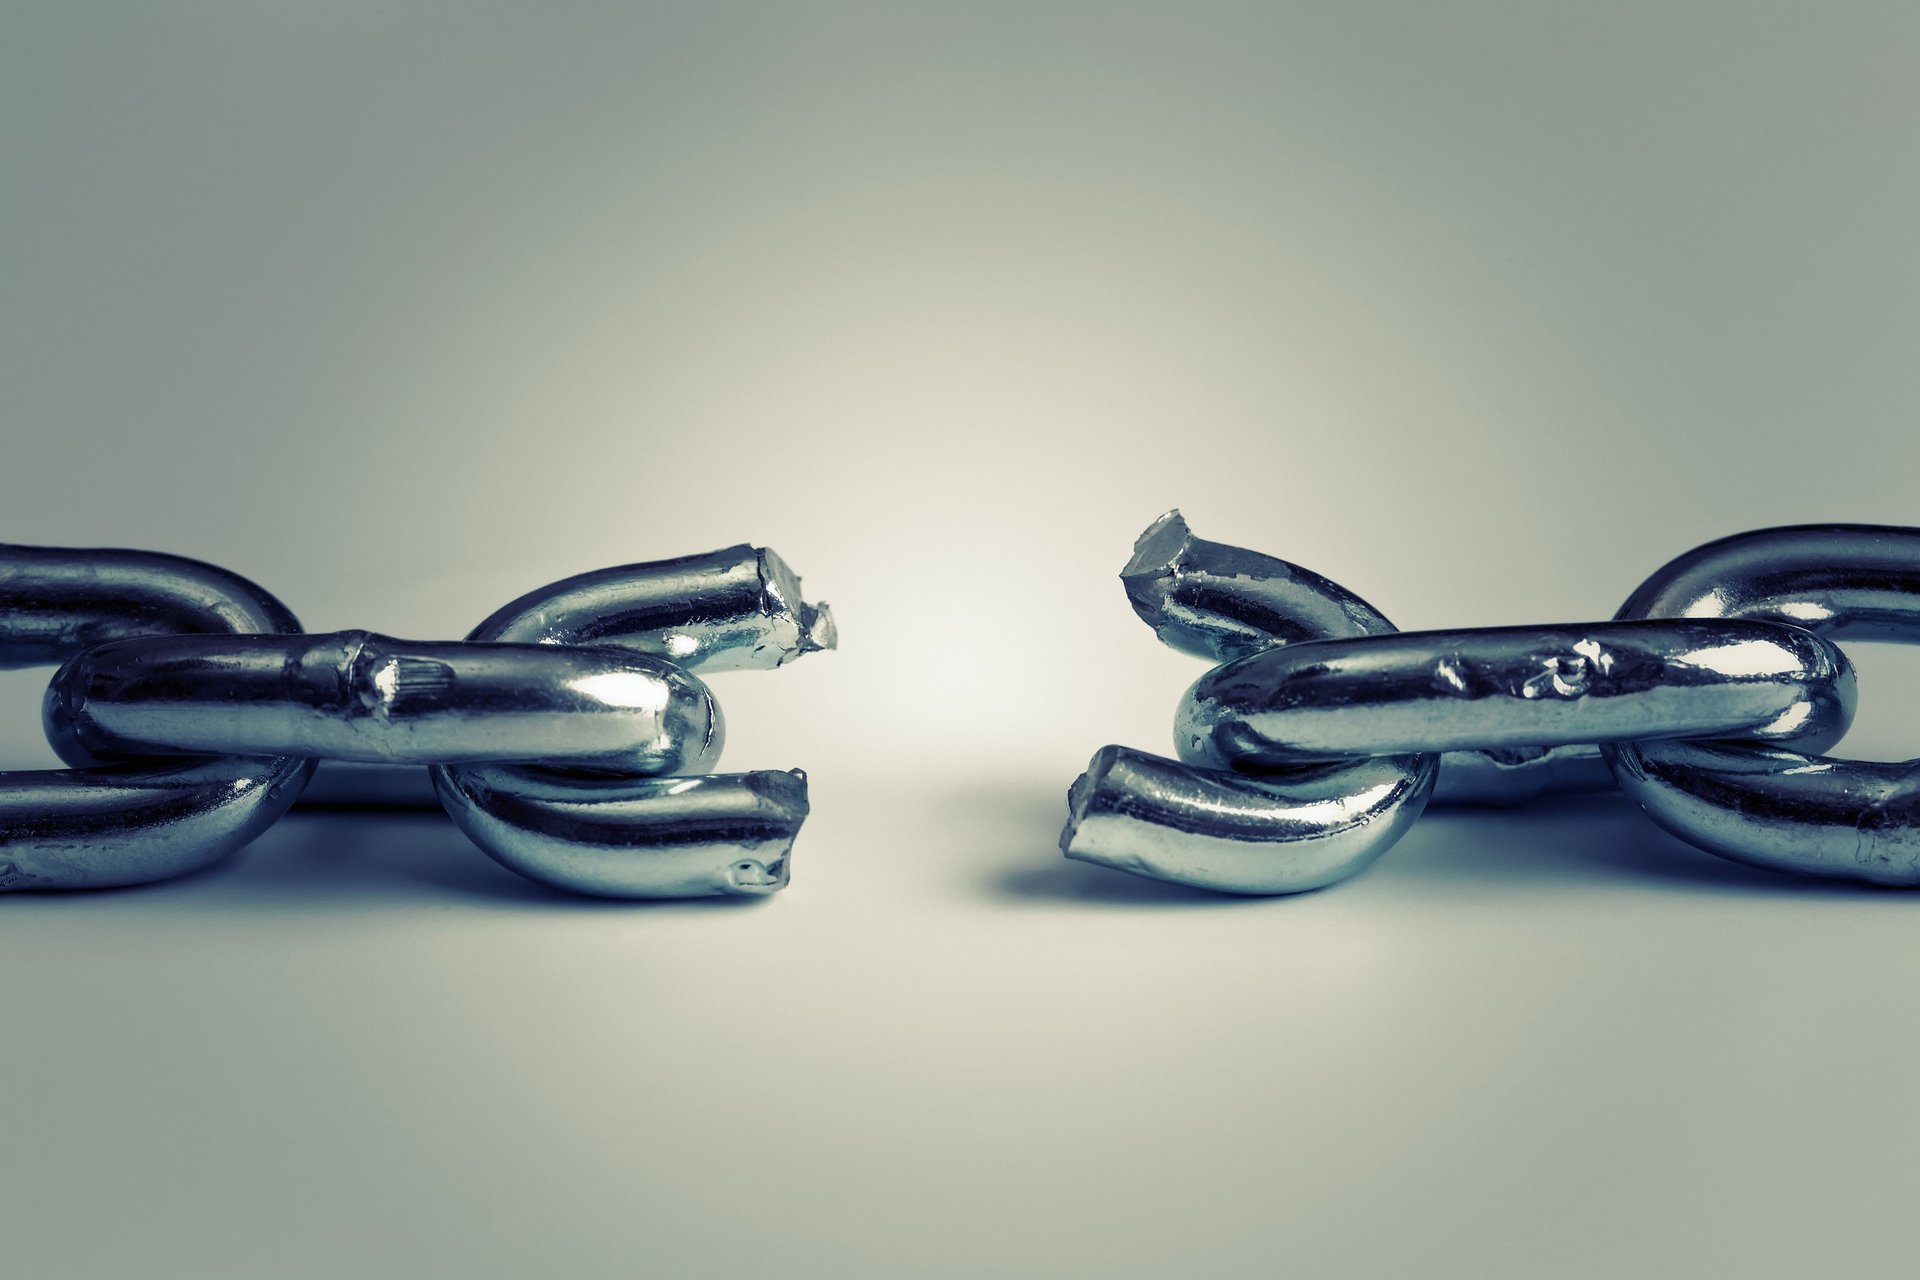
(636, 835)
(1788, 810)
(1516, 688)
(1211, 827)
(92, 828)
(633, 837)
(357, 696)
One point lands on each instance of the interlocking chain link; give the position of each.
(1777, 805)
(100, 826)
(561, 731)
(724, 833)
(1319, 737)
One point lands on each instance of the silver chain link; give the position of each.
(1323, 732)
(568, 734)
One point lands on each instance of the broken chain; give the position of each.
(1323, 732)
(561, 733)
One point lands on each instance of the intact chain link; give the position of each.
(569, 735)
(1323, 731)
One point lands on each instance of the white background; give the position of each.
(405, 310)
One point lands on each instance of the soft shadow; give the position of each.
(1067, 881)
(1021, 823)
(1595, 839)
(1574, 839)
(325, 860)
(423, 855)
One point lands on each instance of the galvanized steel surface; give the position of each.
(1772, 806)
(101, 827)
(630, 835)
(1215, 828)
(356, 696)
(1706, 695)
(556, 725)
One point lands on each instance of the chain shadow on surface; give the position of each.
(333, 859)
(1597, 840)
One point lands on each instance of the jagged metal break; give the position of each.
(1788, 810)
(737, 609)
(1214, 828)
(631, 835)
(1221, 602)
(93, 828)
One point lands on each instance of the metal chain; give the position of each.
(95, 827)
(561, 731)
(568, 735)
(1323, 732)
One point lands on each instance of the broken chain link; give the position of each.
(560, 732)
(1323, 732)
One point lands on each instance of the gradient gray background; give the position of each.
(402, 310)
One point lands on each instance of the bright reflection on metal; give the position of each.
(630, 690)
(357, 696)
(1155, 817)
(1742, 658)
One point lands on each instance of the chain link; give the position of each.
(1783, 806)
(1323, 732)
(356, 696)
(101, 826)
(561, 731)
(628, 836)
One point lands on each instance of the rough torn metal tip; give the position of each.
(785, 789)
(1219, 602)
(1152, 575)
(1080, 797)
(817, 630)
(813, 629)
(1157, 549)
